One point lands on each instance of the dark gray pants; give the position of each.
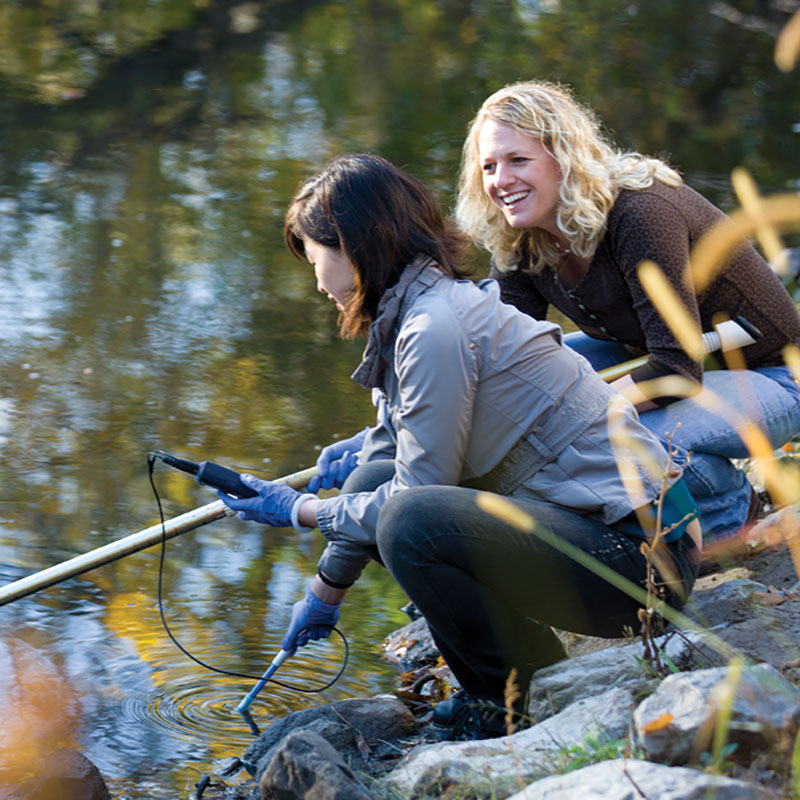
(490, 593)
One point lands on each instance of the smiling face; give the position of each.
(519, 176)
(336, 276)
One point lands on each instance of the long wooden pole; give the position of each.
(610, 374)
(737, 333)
(195, 519)
(132, 544)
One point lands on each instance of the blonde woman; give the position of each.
(567, 218)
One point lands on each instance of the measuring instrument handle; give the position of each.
(219, 477)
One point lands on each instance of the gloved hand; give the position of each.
(271, 506)
(311, 619)
(336, 462)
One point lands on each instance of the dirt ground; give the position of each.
(772, 567)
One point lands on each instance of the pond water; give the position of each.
(147, 153)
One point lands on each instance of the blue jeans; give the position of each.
(490, 593)
(767, 396)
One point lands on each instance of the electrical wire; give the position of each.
(210, 667)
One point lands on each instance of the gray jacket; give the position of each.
(466, 385)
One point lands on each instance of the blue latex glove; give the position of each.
(271, 506)
(311, 619)
(336, 462)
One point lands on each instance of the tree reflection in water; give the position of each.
(147, 156)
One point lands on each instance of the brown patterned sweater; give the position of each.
(661, 223)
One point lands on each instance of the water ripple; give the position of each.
(192, 713)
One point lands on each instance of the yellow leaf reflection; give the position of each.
(134, 616)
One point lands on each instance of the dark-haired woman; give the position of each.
(471, 394)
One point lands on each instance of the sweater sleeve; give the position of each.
(517, 289)
(652, 228)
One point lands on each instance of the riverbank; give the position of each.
(723, 725)
(715, 715)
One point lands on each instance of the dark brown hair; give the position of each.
(381, 218)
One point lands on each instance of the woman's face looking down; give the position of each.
(520, 177)
(336, 276)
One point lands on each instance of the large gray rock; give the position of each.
(679, 717)
(626, 779)
(770, 634)
(726, 603)
(554, 687)
(349, 725)
(501, 763)
(66, 775)
(306, 767)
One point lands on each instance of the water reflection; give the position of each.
(148, 302)
(136, 702)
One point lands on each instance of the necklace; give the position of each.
(561, 249)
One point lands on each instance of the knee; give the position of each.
(368, 477)
(401, 523)
(708, 474)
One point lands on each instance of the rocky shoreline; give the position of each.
(604, 723)
(717, 716)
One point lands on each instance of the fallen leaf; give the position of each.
(772, 597)
(664, 721)
(363, 747)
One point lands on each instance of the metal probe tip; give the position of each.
(270, 671)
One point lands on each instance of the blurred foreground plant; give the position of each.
(41, 714)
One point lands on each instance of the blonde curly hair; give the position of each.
(592, 174)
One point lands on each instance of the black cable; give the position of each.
(150, 463)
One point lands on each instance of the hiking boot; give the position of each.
(461, 718)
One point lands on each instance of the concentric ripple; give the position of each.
(204, 711)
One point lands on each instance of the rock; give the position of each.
(676, 723)
(412, 645)
(501, 763)
(626, 779)
(66, 775)
(554, 687)
(728, 602)
(306, 766)
(771, 633)
(578, 719)
(450, 778)
(347, 724)
(339, 735)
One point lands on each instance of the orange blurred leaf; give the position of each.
(664, 721)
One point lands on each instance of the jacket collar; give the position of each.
(419, 275)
